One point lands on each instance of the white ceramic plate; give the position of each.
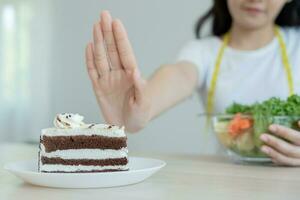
(140, 169)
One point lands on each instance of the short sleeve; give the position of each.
(191, 52)
(292, 33)
(292, 37)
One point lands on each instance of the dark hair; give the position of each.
(221, 18)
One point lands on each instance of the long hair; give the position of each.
(221, 18)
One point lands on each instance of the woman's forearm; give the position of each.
(169, 85)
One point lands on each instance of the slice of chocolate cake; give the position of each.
(73, 146)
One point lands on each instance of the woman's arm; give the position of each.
(170, 85)
(282, 152)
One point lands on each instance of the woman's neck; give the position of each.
(250, 39)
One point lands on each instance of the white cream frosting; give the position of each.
(95, 130)
(69, 120)
(74, 168)
(68, 124)
(96, 154)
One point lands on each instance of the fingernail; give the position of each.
(265, 149)
(264, 138)
(272, 128)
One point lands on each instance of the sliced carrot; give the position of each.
(238, 125)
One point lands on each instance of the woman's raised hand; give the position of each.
(114, 73)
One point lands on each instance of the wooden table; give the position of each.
(184, 177)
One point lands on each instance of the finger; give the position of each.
(281, 145)
(286, 133)
(139, 85)
(90, 64)
(124, 47)
(106, 24)
(99, 51)
(279, 158)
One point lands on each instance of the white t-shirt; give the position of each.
(244, 76)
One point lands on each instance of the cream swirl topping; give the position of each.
(69, 120)
(69, 123)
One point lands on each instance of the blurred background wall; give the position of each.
(42, 69)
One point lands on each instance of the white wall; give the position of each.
(157, 29)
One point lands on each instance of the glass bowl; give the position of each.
(240, 134)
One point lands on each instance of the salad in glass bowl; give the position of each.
(239, 129)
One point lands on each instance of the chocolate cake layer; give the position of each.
(82, 142)
(87, 162)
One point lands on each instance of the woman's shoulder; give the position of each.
(203, 46)
(205, 42)
(200, 52)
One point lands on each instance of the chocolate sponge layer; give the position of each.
(104, 162)
(54, 143)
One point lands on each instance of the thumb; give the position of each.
(139, 85)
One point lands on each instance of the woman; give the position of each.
(245, 47)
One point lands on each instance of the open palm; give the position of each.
(114, 74)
